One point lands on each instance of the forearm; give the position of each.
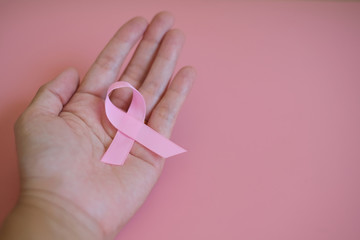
(36, 218)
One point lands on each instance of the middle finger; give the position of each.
(162, 68)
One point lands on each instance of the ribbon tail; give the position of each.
(118, 150)
(157, 143)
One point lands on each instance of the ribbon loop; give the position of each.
(130, 128)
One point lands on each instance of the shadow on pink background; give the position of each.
(272, 124)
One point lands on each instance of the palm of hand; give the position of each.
(59, 150)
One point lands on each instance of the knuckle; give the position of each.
(151, 87)
(135, 71)
(165, 114)
(106, 62)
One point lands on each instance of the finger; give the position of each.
(164, 115)
(52, 96)
(106, 67)
(162, 69)
(140, 63)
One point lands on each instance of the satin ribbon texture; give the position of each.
(131, 127)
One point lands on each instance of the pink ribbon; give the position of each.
(130, 128)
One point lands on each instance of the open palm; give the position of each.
(63, 134)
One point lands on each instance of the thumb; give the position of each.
(52, 96)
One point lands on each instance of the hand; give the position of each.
(63, 134)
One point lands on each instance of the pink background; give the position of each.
(272, 124)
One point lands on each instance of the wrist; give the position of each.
(44, 216)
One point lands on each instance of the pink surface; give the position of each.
(271, 126)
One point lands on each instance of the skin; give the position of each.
(66, 192)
